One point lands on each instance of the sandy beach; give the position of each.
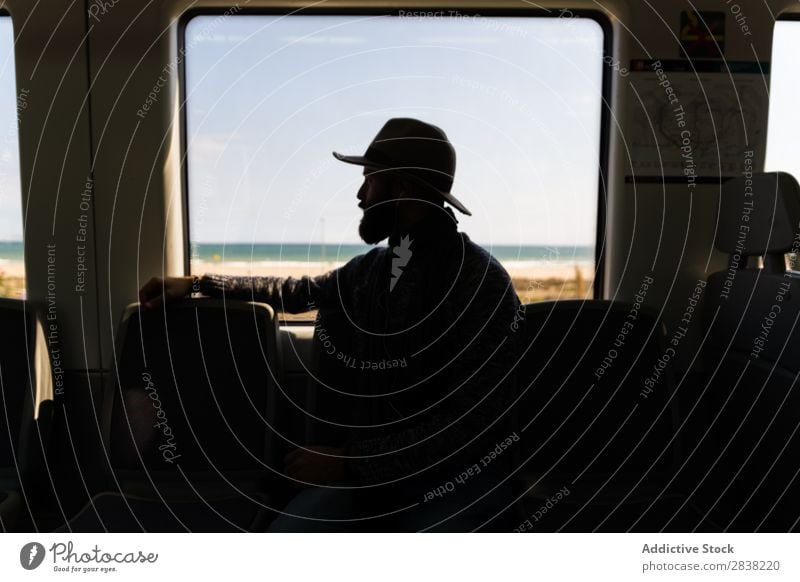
(533, 280)
(12, 268)
(517, 269)
(12, 279)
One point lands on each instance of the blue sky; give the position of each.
(784, 114)
(270, 97)
(10, 192)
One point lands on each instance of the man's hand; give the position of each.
(317, 465)
(153, 293)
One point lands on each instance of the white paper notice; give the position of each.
(681, 122)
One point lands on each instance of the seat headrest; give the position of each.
(759, 214)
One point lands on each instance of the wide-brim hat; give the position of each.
(415, 150)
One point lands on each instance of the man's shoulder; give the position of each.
(480, 259)
(371, 256)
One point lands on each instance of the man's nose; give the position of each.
(362, 192)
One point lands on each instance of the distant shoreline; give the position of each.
(517, 269)
(338, 252)
(535, 280)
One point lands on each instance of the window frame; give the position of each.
(792, 265)
(605, 98)
(5, 12)
(785, 17)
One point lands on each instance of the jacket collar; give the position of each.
(434, 229)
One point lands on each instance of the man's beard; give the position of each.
(377, 223)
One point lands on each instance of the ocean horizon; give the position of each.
(336, 252)
(314, 253)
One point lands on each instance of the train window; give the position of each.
(269, 97)
(784, 118)
(12, 267)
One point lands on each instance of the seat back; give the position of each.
(596, 389)
(753, 309)
(26, 384)
(333, 410)
(26, 410)
(752, 357)
(193, 397)
(14, 379)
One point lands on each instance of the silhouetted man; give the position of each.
(429, 338)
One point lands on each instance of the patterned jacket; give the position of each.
(433, 340)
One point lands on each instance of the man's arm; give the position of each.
(289, 294)
(286, 294)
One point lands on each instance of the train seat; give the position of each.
(752, 357)
(190, 420)
(26, 408)
(598, 419)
